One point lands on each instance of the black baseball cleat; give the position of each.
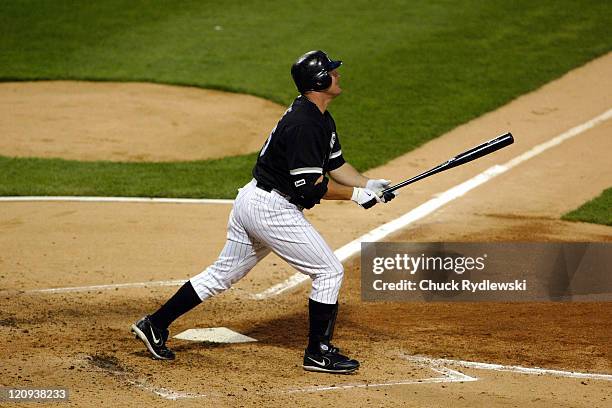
(153, 338)
(329, 360)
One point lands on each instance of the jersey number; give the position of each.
(265, 146)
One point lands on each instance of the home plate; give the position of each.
(214, 335)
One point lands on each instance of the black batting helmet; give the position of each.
(311, 71)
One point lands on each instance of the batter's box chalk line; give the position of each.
(144, 384)
(447, 376)
(437, 365)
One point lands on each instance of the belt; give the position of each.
(264, 187)
(268, 188)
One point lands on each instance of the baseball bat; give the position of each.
(462, 158)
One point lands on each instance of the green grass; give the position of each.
(412, 70)
(597, 211)
(34, 176)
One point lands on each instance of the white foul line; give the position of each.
(108, 287)
(432, 205)
(515, 369)
(353, 247)
(119, 199)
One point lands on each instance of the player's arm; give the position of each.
(312, 190)
(362, 196)
(337, 191)
(347, 175)
(309, 184)
(343, 173)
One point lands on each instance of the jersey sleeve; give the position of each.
(335, 158)
(305, 151)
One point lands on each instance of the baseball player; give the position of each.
(300, 163)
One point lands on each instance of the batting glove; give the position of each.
(365, 198)
(377, 185)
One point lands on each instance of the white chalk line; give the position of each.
(423, 210)
(119, 199)
(438, 365)
(142, 383)
(353, 247)
(508, 368)
(109, 287)
(112, 286)
(165, 393)
(448, 376)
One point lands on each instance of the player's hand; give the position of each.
(365, 198)
(386, 197)
(377, 185)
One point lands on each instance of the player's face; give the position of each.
(334, 89)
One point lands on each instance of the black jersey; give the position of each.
(304, 142)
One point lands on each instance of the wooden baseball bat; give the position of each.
(462, 158)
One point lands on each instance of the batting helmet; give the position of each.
(311, 71)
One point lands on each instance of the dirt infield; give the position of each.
(80, 340)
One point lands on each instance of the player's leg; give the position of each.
(239, 255)
(280, 226)
(311, 255)
(308, 252)
(234, 262)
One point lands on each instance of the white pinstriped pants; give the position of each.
(261, 222)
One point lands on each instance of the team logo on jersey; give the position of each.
(333, 140)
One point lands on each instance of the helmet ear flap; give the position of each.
(323, 81)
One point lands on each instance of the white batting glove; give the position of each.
(365, 198)
(377, 185)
